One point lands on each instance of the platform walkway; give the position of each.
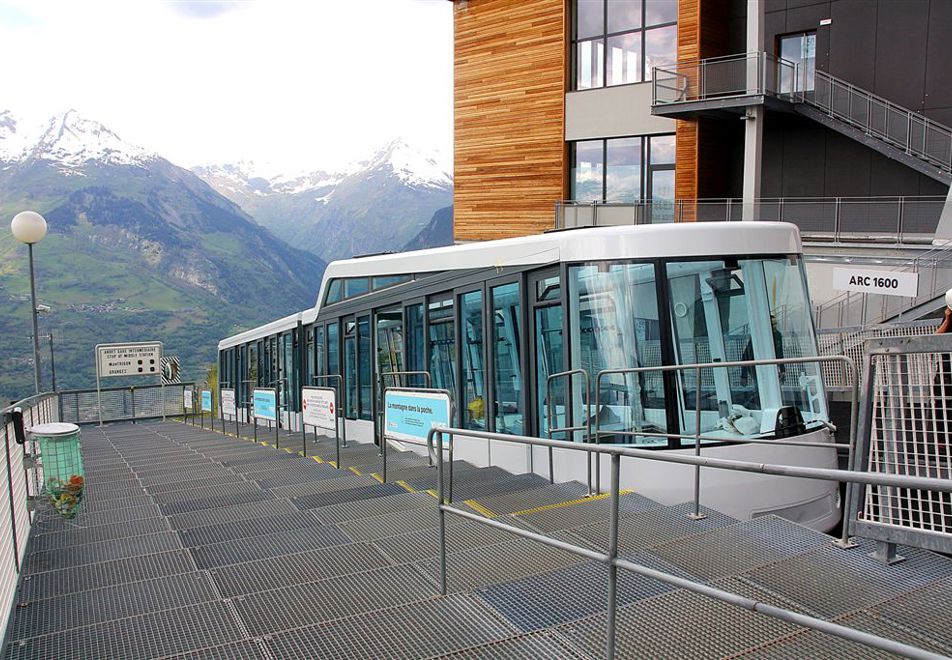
(195, 544)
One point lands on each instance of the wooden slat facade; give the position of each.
(510, 71)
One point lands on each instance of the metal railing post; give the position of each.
(697, 515)
(613, 555)
(438, 436)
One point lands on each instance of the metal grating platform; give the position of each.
(202, 546)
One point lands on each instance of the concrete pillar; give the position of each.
(754, 115)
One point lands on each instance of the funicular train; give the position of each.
(491, 321)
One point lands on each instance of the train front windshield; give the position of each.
(626, 315)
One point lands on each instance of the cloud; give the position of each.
(202, 9)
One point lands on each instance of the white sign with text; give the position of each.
(141, 359)
(885, 282)
(319, 407)
(228, 403)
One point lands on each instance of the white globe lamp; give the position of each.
(30, 227)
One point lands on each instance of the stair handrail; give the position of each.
(889, 107)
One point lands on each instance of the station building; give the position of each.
(832, 114)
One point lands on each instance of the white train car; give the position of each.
(491, 321)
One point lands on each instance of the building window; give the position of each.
(800, 49)
(620, 170)
(616, 42)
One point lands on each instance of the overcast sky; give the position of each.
(302, 83)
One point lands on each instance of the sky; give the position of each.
(300, 84)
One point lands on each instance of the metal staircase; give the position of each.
(730, 84)
(192, 544)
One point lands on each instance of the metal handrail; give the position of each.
(614, 562)
(568, 429)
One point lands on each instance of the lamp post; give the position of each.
(30, 227)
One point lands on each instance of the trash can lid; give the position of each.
(53, 429)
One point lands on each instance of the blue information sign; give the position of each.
(411, 415)
(206, 401)
(265, 405)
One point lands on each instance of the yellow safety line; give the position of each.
(479, 508)
(355, 470)
(332, 463)
(403, 484)
(264, 444)
(288, 449)
(317, 458)
(376, 476)
(301, 453)
(560, 505)
(432, 491)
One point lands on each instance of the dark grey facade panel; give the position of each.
(805, 159)
(897, 49)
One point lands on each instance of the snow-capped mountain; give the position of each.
(68, 140)
(378, 203)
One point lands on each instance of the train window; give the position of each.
(730, 310)
(319, 353)
(509, 408)
(335, 292)
(548, 289)
(390, 346)
(442, 341)
(474, 383)
(364, 357)
(350, 370)
(415, 344)
(613, 316)
(333, 350)
(357, 286)
(378, 283)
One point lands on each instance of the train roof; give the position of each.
(588, 244)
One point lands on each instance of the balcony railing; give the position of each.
(896, 219)
(746, 74)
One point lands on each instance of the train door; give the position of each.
(547, 351)
(472, 395)
(388, 325)
(507, 353)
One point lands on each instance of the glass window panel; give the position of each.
(333, 351)
(799, 49)
(662, 150)
(392, 280)
(589, 18)
(335, 292)
(319, 368)
(474, 382)
(728, 310)
(415, 347)
(364, 358)
(509, 400)
(613, 316)
(548, 289)
(356, 287)
(442, 345)
(660, 11)
(549, 360)
(390, 347)
(587, 170)
(661, 47)
(623, 172)
(624, 15)
(589, 65)
(350, 376)
(624, 58)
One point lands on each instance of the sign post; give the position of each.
(127, 359)
(319, 409)
(409, 414)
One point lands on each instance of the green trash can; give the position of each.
(63, 476)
